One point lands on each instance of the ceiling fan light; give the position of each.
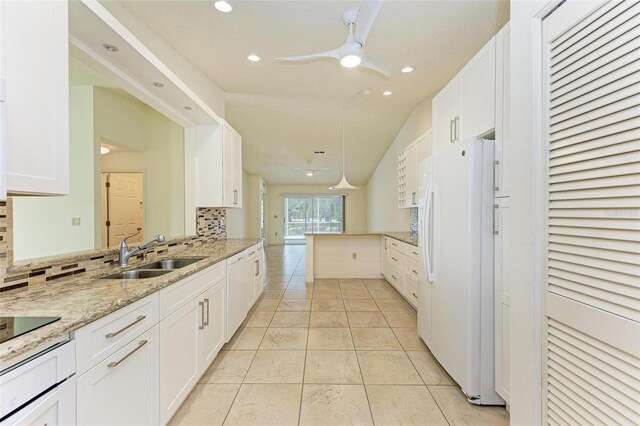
(310, 173)
(350, 61)
(223, 6)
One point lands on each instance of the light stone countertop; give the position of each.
(405, 237)
(85, 297)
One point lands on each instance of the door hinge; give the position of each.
(108, 223)
(107, 184)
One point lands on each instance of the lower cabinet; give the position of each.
(238, 268)
(212, 336)
(400, 268)
(123, 388)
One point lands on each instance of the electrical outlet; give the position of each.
(354, 256)
(75, 221)
(276, 234)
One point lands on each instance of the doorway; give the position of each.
(321, 214)
(122, 207)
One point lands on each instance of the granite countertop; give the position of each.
(84, 298)
(405, 237)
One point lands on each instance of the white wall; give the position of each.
(252, 205)
(355, 208)
(42, 225)
(382, 188)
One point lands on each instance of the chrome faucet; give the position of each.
(125, 253)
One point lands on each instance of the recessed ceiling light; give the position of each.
(155, 83)
(387, 93)
(188, 108)
(365, 92)
(310, 173)
(407, 69)
(110, 47)
(104, 149)
(223, 6)
(253, 58)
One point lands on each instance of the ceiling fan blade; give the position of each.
(335, 54)
(366, 15)
(376, 65)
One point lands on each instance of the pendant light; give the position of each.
(343, 183)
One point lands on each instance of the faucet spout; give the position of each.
(125, 253)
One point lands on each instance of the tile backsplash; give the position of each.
(210, 225)
(413, 222)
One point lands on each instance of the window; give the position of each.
(322, 214)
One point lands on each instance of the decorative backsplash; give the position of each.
(210, 225)
(413, 222)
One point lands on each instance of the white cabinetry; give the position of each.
(123, 388)
(503, 130)
(255, 280)
(34, 58)
(466, 106)
(218, 166)
(212, 336)
(408, 173)
(400, 268)
(238, 273)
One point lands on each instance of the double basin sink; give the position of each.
(154, 269)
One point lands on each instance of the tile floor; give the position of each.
(336, 352)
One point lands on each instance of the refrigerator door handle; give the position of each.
(428, 219)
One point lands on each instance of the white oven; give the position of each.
(40, 390)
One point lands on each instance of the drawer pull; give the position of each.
(414, 253)
(140, 318)
(252, 253)
(414, 271)
(394, 244)
(414, 295)
(394, 277)
(201, 326)
(206, 302)
(394, 259)
(140, 344)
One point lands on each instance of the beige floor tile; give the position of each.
(326, 293)
(409, 339)
(458, 411)
(303, 293)
(290, 319)
(296, 277)
(377, 285)
(266, 305)
(229, 367)
(300, 286)
(205, 405)
(276, 367)
(325, 405)
(403, 405)
(272, 294)
(334, 367)
(367, 319)
(327, 305)
(265, 404)
(258, 319)
(429, 369)
(352, 285)
(246, 338)
(330, 339)
(356, 294)
(387, 368)
(275, 285)
(294, 305)
(360, 305)
(375, 339)
(327, 281)
(285, 338)
(394, 306)
(329, 319)
(385, 294)
(401, 319)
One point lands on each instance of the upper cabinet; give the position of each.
(35, 113)
(408, 173)
(503, 131)
(466, 106)
(218, 166)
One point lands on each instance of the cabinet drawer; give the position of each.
(394, 244)
(411, 291)
(412, 252)
(101, 338)
(411, 269)
(176, 295)
(395, 278)
(396, 259)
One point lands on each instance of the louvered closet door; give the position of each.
(591, 332)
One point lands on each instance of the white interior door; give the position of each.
(125, 206)
(591, 329)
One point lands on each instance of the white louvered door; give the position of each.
(591, 330)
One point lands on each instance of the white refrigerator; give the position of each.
(456, 304)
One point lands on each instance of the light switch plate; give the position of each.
(75, 221)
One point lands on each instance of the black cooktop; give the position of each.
(11, 327)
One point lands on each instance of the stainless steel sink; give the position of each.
(137, 274)
(170, 263)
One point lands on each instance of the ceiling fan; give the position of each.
(351, 53)
(309, 171)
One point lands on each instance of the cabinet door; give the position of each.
(412, 175)
(212, 335)
(236, 293)
(478, 93)
(502, 312)
(122, 389)
(258, 280)
(179, 353)
(503, 131)
(237, 170)
(228, 178)
(446, 109)
(36, 66)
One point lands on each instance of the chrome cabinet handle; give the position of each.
(495, 219)
(394, 259)
(114, 334)
(414, 295)
(257, 268)
(201, 326)
(252, 253)
(394, 244)
(496, 187)
(414, 271)
(206, 302)
(457, 128)
(141, 343)
(414, 253)
(235, 196)
(452, 131)
(394, 277)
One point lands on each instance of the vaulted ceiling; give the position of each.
(285, 111)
